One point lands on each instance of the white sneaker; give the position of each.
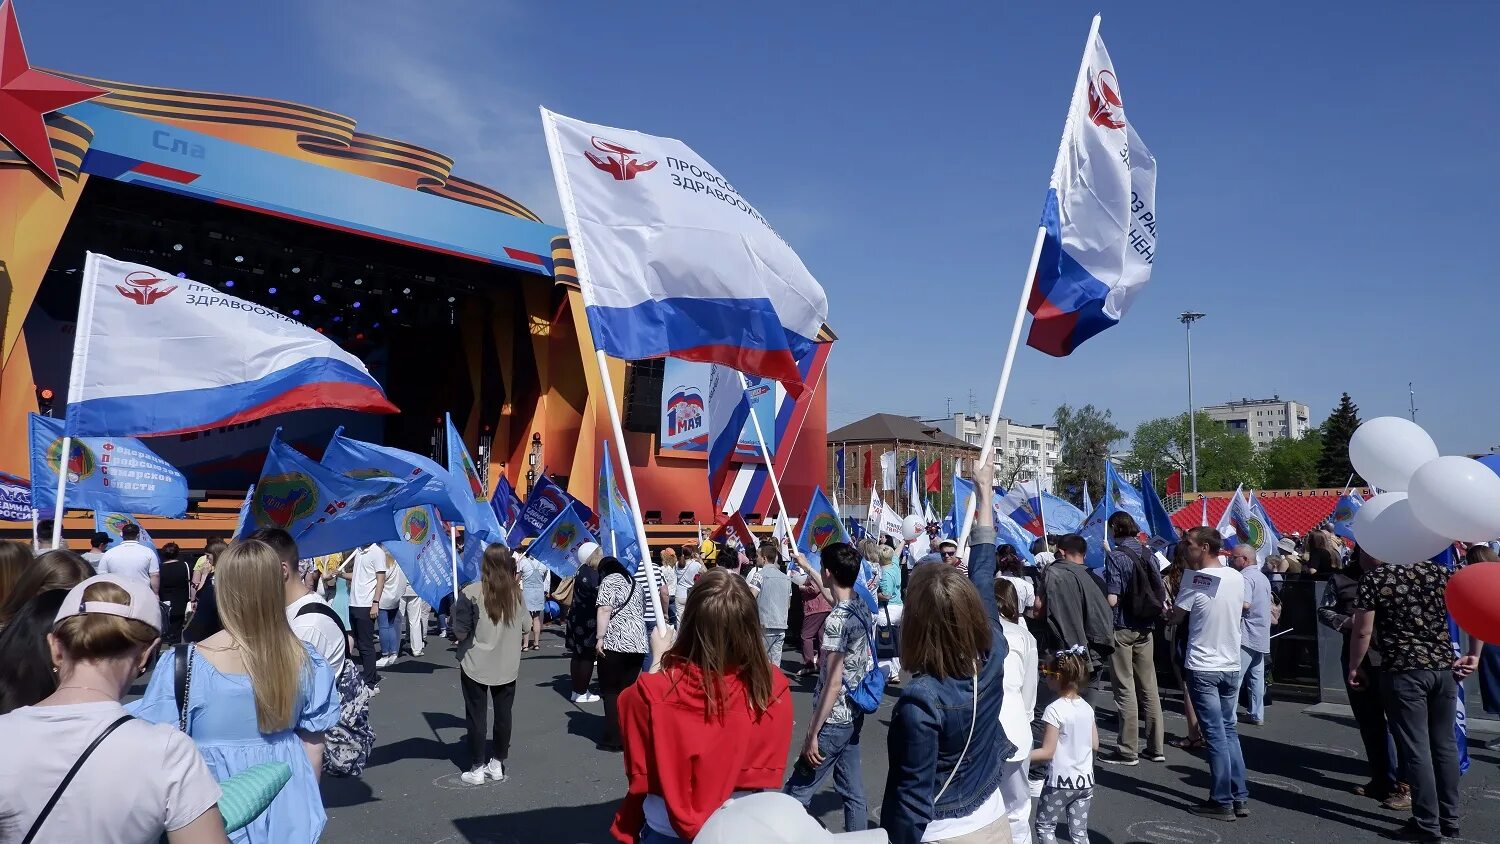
(585, 698)
(495, 770)
(385, 661)
(374, 690)
(474, 777)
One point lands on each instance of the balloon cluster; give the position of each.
(1426, 502)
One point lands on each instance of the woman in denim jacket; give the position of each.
(946, 744)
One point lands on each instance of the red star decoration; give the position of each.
(27, 94)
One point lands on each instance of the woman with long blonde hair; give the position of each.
(490, 621)
(711, 720)
(253, 693)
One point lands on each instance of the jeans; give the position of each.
(1215, 697)
(651, 836)
(504, 700)
(390, 631)
(839, 744)
(1421, 707)
(1133, 668)
(1253, 666)
(363, 628)
(414, 609)
(775, 642)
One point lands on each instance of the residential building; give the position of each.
(1022, 452)
(864, 441)
(1262, 420)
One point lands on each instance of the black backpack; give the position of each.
(1146, 601)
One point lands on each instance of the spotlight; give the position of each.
(376, 325)
(176, 247)
(360, 336)
(228, 284)
(359, 281)
(338, 319)
(317, 297)
(356, 303)
(451, 300)
(406, 290)
(296, 270)
(182, 275)
(271, 290)
(239, 259)
(320, 329)
(395, 310)
(296, 312)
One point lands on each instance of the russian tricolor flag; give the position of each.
(673, 261)
(157, 354)
(728, 410)
(1099, 216)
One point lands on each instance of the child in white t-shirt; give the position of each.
(1069, 745)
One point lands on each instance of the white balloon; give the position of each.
(911, 526)
(1457, 497)
(1388, 450)
(1387, 529)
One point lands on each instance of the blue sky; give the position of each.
(1327, 179)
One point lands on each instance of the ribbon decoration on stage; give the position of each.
(104, 473)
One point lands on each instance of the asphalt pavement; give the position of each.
(560, 789)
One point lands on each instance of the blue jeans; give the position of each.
(839, 745)
(651, 836)
(1253, 666)
(1215, 697)
(390, 632)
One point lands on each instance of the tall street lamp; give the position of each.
(1187, 319)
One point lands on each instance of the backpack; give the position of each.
(1147, 598)
(866, 696)
(347, 744)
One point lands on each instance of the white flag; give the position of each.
(888, 471)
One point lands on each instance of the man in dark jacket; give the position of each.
(1074, 605)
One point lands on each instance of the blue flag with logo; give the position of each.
(1095, 528)
(104, 473)
(505, 503)
(15, 498)
(617, 534)
(480, 522)
(361, 460)
(1158, 523)
(822, 527)
(239, 522)
(421, 549)
(1126, 497)
(1007, 531)
(556, 547)
(111, 523)
(963, 491)
(1344, 512)
(325, 511)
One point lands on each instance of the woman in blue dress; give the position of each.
(255, 693)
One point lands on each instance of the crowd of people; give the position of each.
(994, 667)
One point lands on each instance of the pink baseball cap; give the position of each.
(144, 606)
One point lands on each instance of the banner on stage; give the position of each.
(673, 261)
(104, 473)
(15, 499)
(684, 417)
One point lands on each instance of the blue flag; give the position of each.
(481, 525)
(505, 503)
(1344, 512)
(361, 460)
(557, 545)
(819, 528)
(111, 523)
(1088, 503)
(1158, 523)
(546, 500)
(728, 410)
(421, 549)
(1126, 497)
(325, 512)
(963, 490)
(1095, 528)
(239, 522)
(838, 464)
(1008, 532)
(617, 534)
(104, 473)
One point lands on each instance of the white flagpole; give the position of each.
(35, 540)
(1036, 256)
(453, 557)
(765, 453)
(82, 332)
(635, 504)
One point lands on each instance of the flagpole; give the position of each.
(453, 557)
(35, 540)
(82, 333)
(608, 385)
(765, 453)
(1347, 484)
(987, 455)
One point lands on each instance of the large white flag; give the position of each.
(1100, 215)
(888, 471)
(673, 261)
(157, 354)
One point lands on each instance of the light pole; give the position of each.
(1187, 319)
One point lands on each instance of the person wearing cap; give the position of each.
(97, 545)
(710, 720)
(580, 630)
(132, 558)
(947, 552)
(947, 745)
(105, 634)
(772, 818)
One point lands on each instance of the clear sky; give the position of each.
(1327, 172)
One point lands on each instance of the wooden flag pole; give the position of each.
(1015, 332)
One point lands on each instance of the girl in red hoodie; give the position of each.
(709, 722)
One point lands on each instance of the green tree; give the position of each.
(1293, 464)
(1334, 467)
(1085, 435)
(1225, 458)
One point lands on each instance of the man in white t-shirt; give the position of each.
(132, 559)
(1212, 598)
(366, 587)
(319, 628)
